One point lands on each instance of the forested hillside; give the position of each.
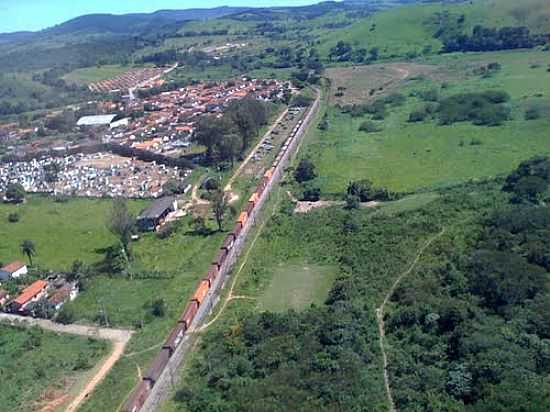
(467, 327)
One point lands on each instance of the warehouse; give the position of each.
(153, 216)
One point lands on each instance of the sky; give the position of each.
(22, 15)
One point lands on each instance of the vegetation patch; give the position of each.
(41, 362)
(296, 286)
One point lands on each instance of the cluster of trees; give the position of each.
(305, 174)
(365, 191)
(486, 108)
(345, 52)
(491, 39)
(226, 138)
(376, 109)
(472, 332)
(530, 181)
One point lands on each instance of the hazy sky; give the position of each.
(16, 15)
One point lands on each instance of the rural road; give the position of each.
(118, 337)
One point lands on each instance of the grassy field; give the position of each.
(409, 29)
(297, 285)
(61, 232)
(37, 364)
(89, 75)
(407, 156)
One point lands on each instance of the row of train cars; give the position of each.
(141, 392)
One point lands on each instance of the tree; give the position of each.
(116, 258)
(121, 222)
(220, 206)
(15, 192)
(28, 249)
(352, 202)
(311, 194)
(210, 132)
(230, 147)
(305, 171)
(158, 308)
(247, 115)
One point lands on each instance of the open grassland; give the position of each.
(400, 31)
(406, 156)
(37, 367)
(297, 285)
(61, 232)
(94, 74)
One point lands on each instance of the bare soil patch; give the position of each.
(360, 84)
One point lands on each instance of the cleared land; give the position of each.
(94, 74)
(41, 366)
(405, 156)
(296, 286)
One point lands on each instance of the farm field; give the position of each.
(407, 156)
(297, 285)
(94, 74)
(40, 366)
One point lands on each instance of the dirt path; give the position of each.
(118, 337)
(380, 316)
(253, 151)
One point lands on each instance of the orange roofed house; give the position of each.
(32, 293)
(13, 270)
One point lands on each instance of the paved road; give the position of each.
(118, 337)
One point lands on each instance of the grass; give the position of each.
(94, 74)
(36, 362)
(297, 285)
(406, 156)
(61, 232)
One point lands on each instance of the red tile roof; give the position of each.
(30, 292)
(13, 266)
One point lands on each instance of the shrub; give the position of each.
(13, 217)
(395, 99)
(418, 116)
(305, 171)
(311, 194)
(533, 113)
(485, 108)
(369, 127)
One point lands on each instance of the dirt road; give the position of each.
(118, 337)
(380, 316)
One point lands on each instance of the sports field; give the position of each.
(296, 286)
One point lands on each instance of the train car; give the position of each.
(212, 274)
(220, 258)
(265, 181)
(201, 292)
(237, 229)
(243, 217)
(268, 174)
(138, 397)
(229, 242)
(175, 338)
(249, 208)
(153, 373)
(189, 314)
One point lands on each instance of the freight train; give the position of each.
(140, 394)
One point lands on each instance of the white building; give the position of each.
(13, 270)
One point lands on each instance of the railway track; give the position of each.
(162, 377)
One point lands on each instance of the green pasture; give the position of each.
(296, 286)
(406, 156)
(61, 232)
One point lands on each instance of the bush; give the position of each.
(485, 108)
(395, 99)
(418, 116)
(369, 127)
(311, 194)
(533, 113)
(13, 217)
(305, 171)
